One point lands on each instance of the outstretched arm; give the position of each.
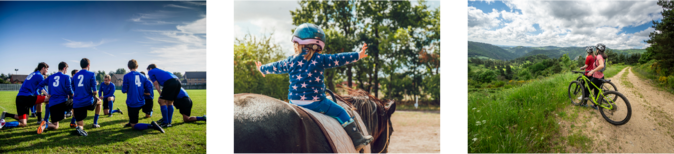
(341, 59)
(279, 67)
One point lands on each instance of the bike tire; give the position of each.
(611, 88)
(575, 90)
(620, 99)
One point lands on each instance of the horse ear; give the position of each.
(391, 108)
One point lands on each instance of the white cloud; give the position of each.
(178, 6)
(565, 23)
(90, 44)
(154, 18)
(197, 27)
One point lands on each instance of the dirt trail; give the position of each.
(651, 128)
(415, 132)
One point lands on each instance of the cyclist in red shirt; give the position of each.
(589, 66)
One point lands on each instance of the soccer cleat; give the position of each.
(120, 111)
(42, 127)
(95, 126)
(157, 127)
(166, 125)
(81, 131)
(109, 115)
(32, 115)
(127, 125)
(39, 121)
(2, 123)
(204, 117)
(160, 121)
(73, 125)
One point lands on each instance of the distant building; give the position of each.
(18, 78)
(194, 78)
(117, 79)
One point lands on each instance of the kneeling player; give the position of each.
(85, 96)
(107, 94)
(184, 103)
(170, 89)
(28, 97)
(60, 89)
(135, 86)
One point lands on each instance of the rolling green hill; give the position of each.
(477, 49)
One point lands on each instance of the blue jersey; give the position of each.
(59, 88)
(84, 86)
(108, 90)
(135, 86)
(182, 93)
(29, 86)
(151, 96)
(160, 76)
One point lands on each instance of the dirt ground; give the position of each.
(415, 132)
(650, 130)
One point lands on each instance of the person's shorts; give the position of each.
(58, 110)
(133, 114)
(170, 90)
(148, 106)
(106, 103)
(81, 113)
(24, 103)
(184, 105)
(40, 99)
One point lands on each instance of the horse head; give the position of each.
(376, 115)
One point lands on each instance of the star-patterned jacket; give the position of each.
(306, 77)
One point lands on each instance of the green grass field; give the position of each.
(112, 136)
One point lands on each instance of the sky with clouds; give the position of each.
(170, 34)
(617, 24)
(260, 18)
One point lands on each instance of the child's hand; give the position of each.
(362, 54)
(258, 67)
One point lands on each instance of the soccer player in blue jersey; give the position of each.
(149, 100)
(135, 87)
(85, 96)
(171, 88)
(60, 89)
(70, 100)
(28, 97)
(107, 94)
(184, 103)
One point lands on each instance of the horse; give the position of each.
(263, 124)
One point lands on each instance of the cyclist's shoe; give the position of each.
(594, 107)
(95, 126)
(81, 131)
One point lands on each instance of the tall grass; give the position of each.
(647, 71)
(517, 119)
(612, 70)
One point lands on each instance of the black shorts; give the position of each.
(57, 110)
(24, 103)
(133, 114)
(184, 105)
(148, 106)
(81, 113)
(170, 90)
(106, 103)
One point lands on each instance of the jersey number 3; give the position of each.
(138, 80)
(56, 81)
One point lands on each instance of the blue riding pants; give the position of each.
(330, 108)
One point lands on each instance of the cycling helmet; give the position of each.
(601, 47)
(589, 49)
(309, 34)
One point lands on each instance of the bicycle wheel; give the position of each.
(621, 111)
(575, 91)
(609, 86)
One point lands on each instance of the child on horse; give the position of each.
(306, 67)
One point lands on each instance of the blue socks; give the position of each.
(73, 120)
(170, 113)
(201, 119)
(96, 119)
(164, 113)
(11, 124)
(141, 126)
(46, 115)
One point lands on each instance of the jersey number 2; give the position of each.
(138, 80)
(80, 77)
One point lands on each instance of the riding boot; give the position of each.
(359, 141)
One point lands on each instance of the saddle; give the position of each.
(339, 141)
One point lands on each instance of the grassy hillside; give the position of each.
(477, 49)
(549, 53)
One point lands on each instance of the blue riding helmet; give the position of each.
(308, 33)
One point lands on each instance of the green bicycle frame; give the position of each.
(601, 93)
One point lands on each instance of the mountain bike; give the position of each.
(606, 86)
(613, 105)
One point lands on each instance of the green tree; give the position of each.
(662, 39)
(247, 78)
(178, 74)
(120, 71)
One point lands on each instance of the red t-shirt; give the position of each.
(589, 61)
